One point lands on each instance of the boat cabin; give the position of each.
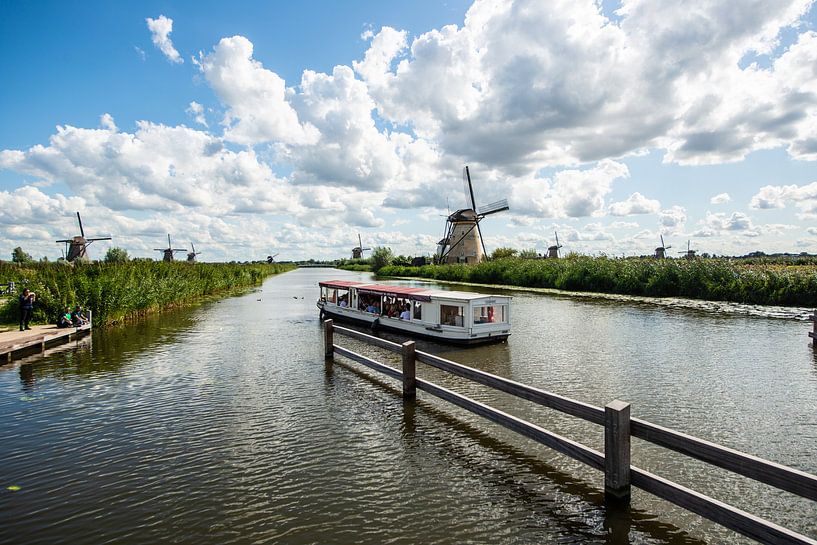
(455, 316)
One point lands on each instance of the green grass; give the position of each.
(117, 291)
(757, 281)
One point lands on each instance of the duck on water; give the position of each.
(448, 316)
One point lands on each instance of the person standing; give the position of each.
(26, 308)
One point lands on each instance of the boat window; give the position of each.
(490, 314)
(451, 315)
(343, 298)
(418, 310)
(368, 302)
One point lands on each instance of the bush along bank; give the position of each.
(116, 291)
(761, 282)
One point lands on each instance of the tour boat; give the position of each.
(449, 316)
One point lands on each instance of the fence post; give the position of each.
(409, 370)
(328, 339)
(617, 450)
(813, 334)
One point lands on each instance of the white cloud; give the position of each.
(720, 198)
(635, 204)
(196, 111)
(571, 193)
(673, 218)
(160, 30)
(529, 84)
(770, 196)
(258, 109)
(155, 168)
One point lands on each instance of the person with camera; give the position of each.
(26, 308)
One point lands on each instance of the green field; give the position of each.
(763, 281)
(117, 291)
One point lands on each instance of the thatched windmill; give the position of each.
(191, 256)
(463, 241)
(76, 247)
(661, 251)
(169, 251)
(553, 251)
(357, 251)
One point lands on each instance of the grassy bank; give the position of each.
(758, 281)
(116, 291)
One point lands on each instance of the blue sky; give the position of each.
(289, 127)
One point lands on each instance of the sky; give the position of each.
(289, 128)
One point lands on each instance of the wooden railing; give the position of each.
(619, 475)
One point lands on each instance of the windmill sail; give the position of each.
(498, 206)
(468, 189)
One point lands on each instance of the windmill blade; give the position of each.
(65, 241)
(498, 206)
(89, 240)
(169, 245)
(193, 247)
(668, 247)
(482, 240)
(662, 242)
(81, 230)
(557, 240)
(359, 241)
(469, 189)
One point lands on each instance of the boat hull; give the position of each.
(392, 325)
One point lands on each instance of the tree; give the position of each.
(381, 256)
(528, 254)
(19, 256)
(501, 253)
(116, 255)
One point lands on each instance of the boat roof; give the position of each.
(411, 293)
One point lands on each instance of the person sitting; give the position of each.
(65, 318)
(406, 314)
(343, 303)
(78, 318)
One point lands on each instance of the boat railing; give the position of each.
(619, 428)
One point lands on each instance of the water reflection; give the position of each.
(522, 478)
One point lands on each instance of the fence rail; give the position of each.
(619, 475)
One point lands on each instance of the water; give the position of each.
(221, 424)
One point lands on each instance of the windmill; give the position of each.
(170, 250)
(463, 242)
(76, 247)
(271, 258)
(357, 252)
(191, 256)
(553, 251)
(661, 251)
(689, 254)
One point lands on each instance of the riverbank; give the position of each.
(119, 291)
(750, 282)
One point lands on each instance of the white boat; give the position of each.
(448, 316)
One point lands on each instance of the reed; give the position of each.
(760, 281)
(116, 291)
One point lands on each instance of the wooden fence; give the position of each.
(619, 427)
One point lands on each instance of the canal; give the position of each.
(221, 424)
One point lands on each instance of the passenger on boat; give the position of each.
(344, 302)
(406, 314)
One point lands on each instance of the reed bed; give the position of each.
(117, 291)
(759, 281)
